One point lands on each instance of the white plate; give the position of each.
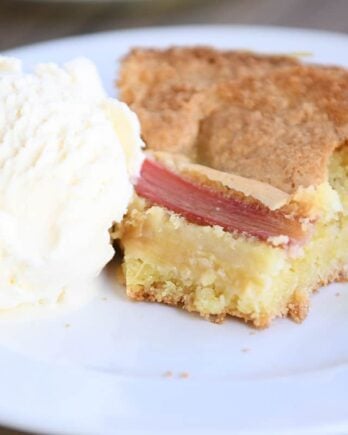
(105, 373)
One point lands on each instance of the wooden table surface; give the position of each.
(25, 22)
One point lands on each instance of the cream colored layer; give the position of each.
(214, 273)
(270, 196)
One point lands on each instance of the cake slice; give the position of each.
(254, 217)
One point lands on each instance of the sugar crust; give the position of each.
(269, 118)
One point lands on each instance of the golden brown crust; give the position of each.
(166, 88)
(144, 72)
(262, 117)
(280, 130)
(297, 308)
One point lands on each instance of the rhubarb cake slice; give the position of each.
(255, 216)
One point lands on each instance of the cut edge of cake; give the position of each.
(172, 257)
(216, 273)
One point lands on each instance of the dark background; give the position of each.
(25, 22)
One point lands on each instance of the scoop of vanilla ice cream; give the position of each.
(67, 155)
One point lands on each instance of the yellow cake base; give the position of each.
(215, 273)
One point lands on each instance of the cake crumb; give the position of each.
(168, 374)
(252, 333)
(104, 298)
(337, 294)
(183, 375)
(67, 325)
(245, 349)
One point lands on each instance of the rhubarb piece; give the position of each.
(203, 206)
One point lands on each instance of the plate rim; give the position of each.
(178, 28)
(331, 379)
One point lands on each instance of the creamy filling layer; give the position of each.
(214, 272)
